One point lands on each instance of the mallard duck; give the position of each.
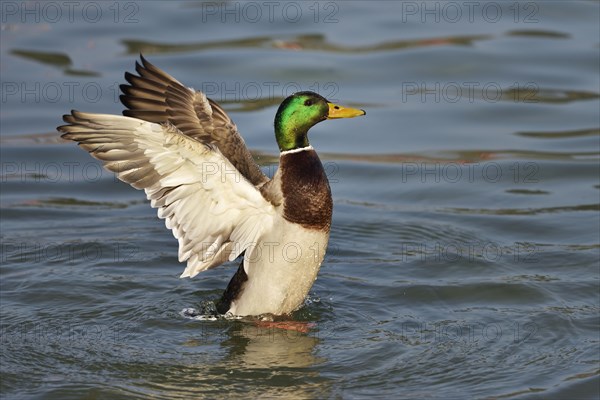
(186, 153)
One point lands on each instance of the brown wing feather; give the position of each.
(156, 96)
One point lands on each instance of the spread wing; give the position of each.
(156, 96)
(213, 210)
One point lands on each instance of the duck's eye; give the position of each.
(308, 102)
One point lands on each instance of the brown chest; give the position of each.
(306, 192)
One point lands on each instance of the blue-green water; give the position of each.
(464, 253)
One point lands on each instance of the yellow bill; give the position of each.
(336, 111)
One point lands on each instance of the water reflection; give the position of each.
(265, 354)
(58, 60)
(522, 211)
(539, 33)
(561, 134)
(319, 42)
(257, 346)
(312, 42)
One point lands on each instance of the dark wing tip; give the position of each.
(148, 65)
(129, 77)
(124, 99)
(66, 133)
(125, 89)
(71, 120)
(139, 68)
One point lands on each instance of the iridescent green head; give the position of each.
(299, 112)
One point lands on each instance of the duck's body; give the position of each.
(185, 152)
(285, 263)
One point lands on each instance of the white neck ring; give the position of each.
(309, 147)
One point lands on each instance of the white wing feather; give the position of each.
(214, 212)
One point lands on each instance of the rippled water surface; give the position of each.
(464, 252)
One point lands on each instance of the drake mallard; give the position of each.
(186, 153)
